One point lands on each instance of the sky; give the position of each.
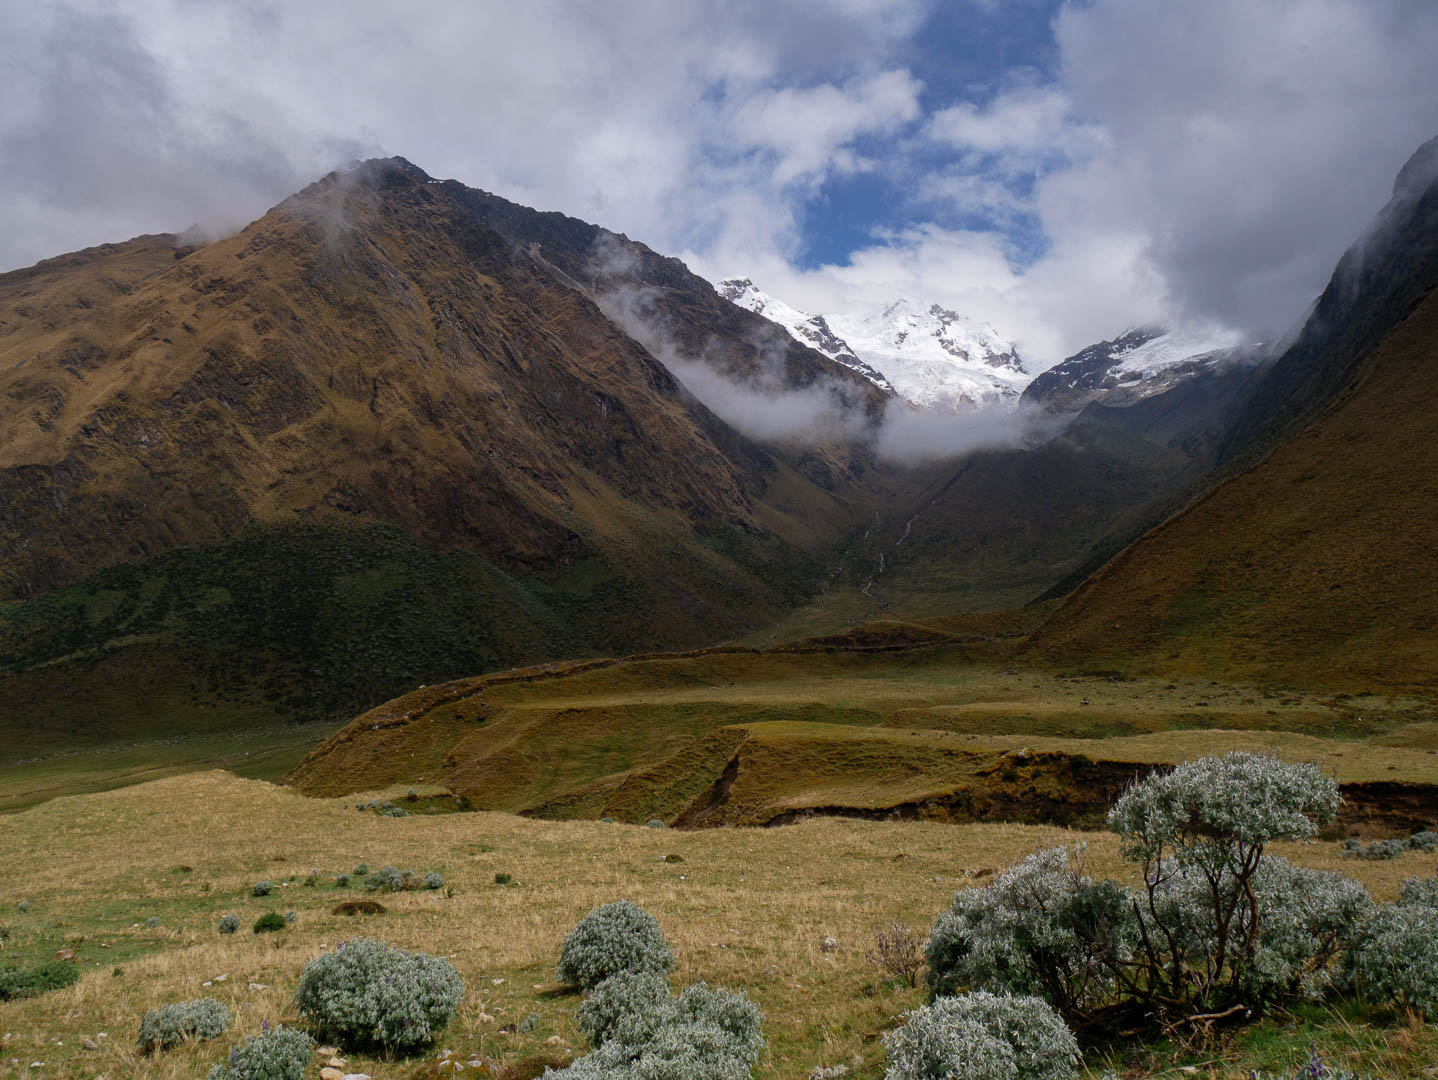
(1061, 170)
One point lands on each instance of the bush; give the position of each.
(170, 1025)
(982, 1036)
(269, 922)
(1423, 841)
(278, 1053)
(152, 922)
(1396, 961)
(342, 881)
(262, 888)
(502, 878)
(34, 981)
(361, 870)
(390, 879)
(612, 938)
(625, 1007)
(229, 924)
(433, 880)
(898, 952)
(291, 917)
(1216, 924)
(654, 823)
(1419, 892)
(1042, 926)
(368, 994)
(639, 1030)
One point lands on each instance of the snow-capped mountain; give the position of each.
(929, 355)
(811, 330)
(1140, 362)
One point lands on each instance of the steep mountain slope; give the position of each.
(928, 355)
(388, 394)
(1139, 363)
(1317, 565)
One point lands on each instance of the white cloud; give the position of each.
(810, 130)
(1206, 159)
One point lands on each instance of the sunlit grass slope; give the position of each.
(743, 908)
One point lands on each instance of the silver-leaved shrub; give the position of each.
(982, 1036)
(639, 1031)
(277, 1053)
(170, 1025)
(1215, 925)
(1396, 961)
(366, 993)
(612, 938)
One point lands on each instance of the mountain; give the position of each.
(811, 330)
(1316, 564)
(1139, 363)
(390, 432)
(927, 354)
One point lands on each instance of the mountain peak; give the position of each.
(927, 353)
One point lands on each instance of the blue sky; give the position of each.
(1060, 170)
(960, 52)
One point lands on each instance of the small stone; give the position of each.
(485, 1018)
(64, 954)
(336, 1062)
(355, 1076)
(89, 1043)
(828, 945)
(222, 978)
(327, 1051)
(445, 1054)
(259, 986)
(328, 1073)
(554, 1040)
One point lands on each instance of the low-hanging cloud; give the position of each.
(764, 406)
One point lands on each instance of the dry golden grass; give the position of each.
(744, 908)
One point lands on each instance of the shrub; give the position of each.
(342, 881)
(626, 1007)
(898, 952)
(1042, 926)
(291, 917)
(612, 938)
(4, 933)
(152, 922)
(433, 880)
(170, 1025)
(1419, 892)
(229, 924)
(503, 879)
(390, 879)
(37, 980)
(982, 1036)
(367, 993)
(269, 922)
(1215, 925)
(278, 1053)
(361, 870)
(1423, 841)
(639, 1030)
(262, 888)
(654, 823)
(1396, 962)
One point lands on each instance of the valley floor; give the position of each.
(746, 908)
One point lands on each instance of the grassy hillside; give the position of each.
(1316, 567)
(894, 721)
(743, 908)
